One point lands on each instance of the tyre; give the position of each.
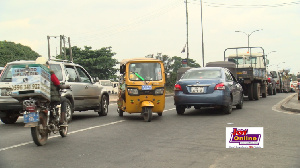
(120, 111)
(298, 97)
(180, 110)
(274, 91)
(69, 111)
(228, 109)
(9, 119)
(270, 91)
(147, 113)
(240, 105)
(40, 133)
(63, 131)
(104, 106)
(159, 114)
(256, 91)
(250, 91)
(264, 91)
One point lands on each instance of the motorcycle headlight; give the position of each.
(133, 91)
(159, 91)
(5, 92)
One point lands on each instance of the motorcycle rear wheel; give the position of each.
(39, 133)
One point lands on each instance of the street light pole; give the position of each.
(248, 35)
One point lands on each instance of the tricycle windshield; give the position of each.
(145, 72)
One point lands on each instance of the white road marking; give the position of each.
(55, 136)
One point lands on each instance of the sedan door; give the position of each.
(232, 86)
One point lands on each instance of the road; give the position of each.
(195, 139)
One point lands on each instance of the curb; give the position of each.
(287, 108)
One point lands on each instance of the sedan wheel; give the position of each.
(180, 110)
(240, 105)
(228, 109)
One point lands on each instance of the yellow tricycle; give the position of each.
(142, 87)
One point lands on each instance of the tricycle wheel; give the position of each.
(39, 133)
(120, 111)
(147, 113)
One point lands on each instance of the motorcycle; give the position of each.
(31, 87)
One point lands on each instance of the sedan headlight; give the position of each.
(159, 91)
(133, 91)
(5, 91)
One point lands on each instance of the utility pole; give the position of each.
(64, 47)
(48, 39)
(187, 33)
(202, 35)
(69, 41)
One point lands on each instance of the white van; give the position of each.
(107, 84)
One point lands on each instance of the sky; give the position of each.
(136, 28)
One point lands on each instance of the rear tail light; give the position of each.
(269, 79)
(177, 87)
(220, 86)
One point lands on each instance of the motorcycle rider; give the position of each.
(54, 91)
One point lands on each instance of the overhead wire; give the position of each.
(115, 29)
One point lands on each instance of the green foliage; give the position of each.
(172, 64)
(9, 51)
(99, 63)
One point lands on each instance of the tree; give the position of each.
(9, 51)
(171, 66)
(99, 63)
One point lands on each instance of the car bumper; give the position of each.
(217, 98)
(8, 103)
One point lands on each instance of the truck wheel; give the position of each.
(274, 91)
(264, 91)
(250, 91)
(256, 91)
(9, 119)
(270, 91)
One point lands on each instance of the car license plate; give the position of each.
(197, 89)
(146, 87)
(31, 117)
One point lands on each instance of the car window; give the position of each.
(57, 70)
(83, 76)
(73, 77)
(202, 74)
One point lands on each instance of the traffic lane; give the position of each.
(196, 138)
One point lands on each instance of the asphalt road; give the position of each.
(195, 139)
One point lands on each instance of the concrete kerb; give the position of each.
(285, 105)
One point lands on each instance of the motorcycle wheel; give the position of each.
(147, 113)
(39, 133)
(63, 131)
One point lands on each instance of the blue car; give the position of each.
(208, 87)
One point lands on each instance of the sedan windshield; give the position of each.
(202, 74)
